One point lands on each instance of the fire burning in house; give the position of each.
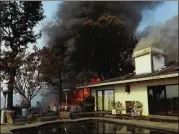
(74, 97)
(81, 94)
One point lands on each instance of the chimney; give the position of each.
(148, 60)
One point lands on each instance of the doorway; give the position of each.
(157, 100)
(104, 98)
(163, 100)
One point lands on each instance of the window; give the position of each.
(163, 99)
(172, 99)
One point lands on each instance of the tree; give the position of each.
(17, 20)
(83, 77)
(55, 66)
(28, 76)
(104, 46)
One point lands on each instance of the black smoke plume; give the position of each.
(71, 14)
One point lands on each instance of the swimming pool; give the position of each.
(88, 127)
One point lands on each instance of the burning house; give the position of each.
(74, 97)
(153, 83)
(81, 94)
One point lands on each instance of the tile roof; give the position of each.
(169, 69)
(173, 68)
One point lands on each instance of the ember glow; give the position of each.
(95, 81)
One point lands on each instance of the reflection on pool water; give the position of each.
(91, 127)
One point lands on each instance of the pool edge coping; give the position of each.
(116, 121)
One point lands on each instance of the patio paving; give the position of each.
(164, 117)
(153, 118)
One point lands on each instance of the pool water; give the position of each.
(88, 127)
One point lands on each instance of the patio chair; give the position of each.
(48, 118)
(43, 113)
(48, 115)
(69, 110)
(48, 112)
(36, 111)
(74, 114)
(13, 119)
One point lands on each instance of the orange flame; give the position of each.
(80, 95)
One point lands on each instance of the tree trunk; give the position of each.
(60, 93)
(29, 101)
(11, 82)
(29, 104)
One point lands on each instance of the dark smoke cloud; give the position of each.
(71, 14)
(163, 36)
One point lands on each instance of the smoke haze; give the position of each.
(163, 36)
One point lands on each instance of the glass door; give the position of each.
(157, 100)
(108, 99)
(99, 100)
(163, 100)
(104, 99)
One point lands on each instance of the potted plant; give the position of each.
(25, 107)
(138, 107)
(114, 108)
(119, 107)
(131, 106)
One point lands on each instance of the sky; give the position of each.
(50, 7)
(160, 15)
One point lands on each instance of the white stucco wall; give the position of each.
(138, 91)
(143, 64)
